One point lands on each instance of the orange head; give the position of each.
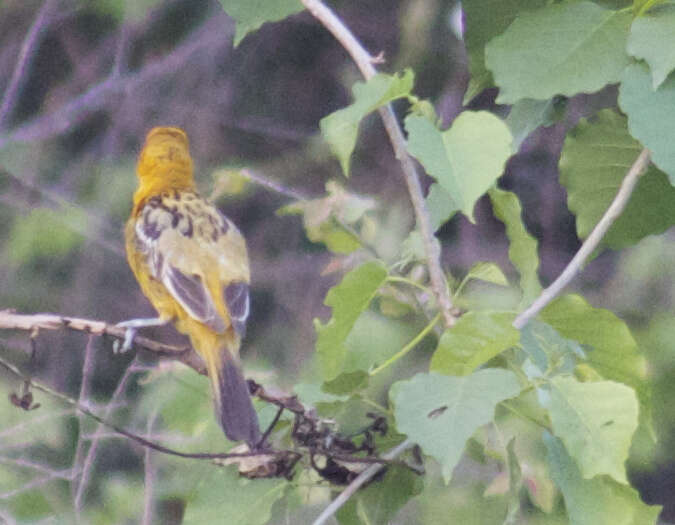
(164, 163)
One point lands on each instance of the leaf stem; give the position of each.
(364, 62)
(591, 242)
(412, 344)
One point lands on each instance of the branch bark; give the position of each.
(590, 244)
(364, 62)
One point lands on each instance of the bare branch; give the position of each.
(365, 62)
(108, 92)
(12, 321)
(591, 242)
(26, 54)
(358, 483)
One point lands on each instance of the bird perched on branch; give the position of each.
(191, 263)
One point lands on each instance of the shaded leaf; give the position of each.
(597, 501)
(595, 159)
(380, 502)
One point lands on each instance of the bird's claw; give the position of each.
(129, 335)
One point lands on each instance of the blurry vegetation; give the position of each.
(101, 73)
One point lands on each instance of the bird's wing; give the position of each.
(199, 256)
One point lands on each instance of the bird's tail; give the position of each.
(233, 405)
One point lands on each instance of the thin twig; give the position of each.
(149, 478)
(591, 242)
(358, 482)
(365, 61)
(88, 462)
(87, 374)
(134, 437)
(26, 55)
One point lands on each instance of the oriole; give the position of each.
(191, 262)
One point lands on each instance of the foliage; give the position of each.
(548, 413)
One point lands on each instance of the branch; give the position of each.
(26, 54)
(358, 483)
(10, 320)
(107, 92)
(365, 61)
(591, 242)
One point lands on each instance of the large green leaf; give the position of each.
(341, 127)
(650, 38)
(596, 421)
(477, 337)
(595, 159)
(441, 412)
(348, 299)
(597, 501)
(651, 114)
(483, 20)
(249, 15)
(612, 351)
(523, 247)
(465, 159)
(564, 48)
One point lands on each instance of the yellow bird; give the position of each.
(191, 263)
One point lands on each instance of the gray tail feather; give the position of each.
(237, 415)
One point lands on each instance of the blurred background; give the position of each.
(83, 81)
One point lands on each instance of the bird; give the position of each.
(191, 262)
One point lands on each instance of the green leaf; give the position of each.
(597, 501)
(651, 115)
(348, 299)
(441, 412)
(488, 272)
(223, 495)
(466, 159)
(45, 233)
(441, 206)
(613, 352)
(380, 502)
(560, 49)
(596, 421)
(483, 20)
(523, 251)
(548, 350)
(249, 15)
(595, 159)
(477, 337)
(341, 127)
(527, 114)
(646, 41)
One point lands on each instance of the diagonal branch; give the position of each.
(365, 61)
(359, 482)
(590, 244)
(30, 44)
